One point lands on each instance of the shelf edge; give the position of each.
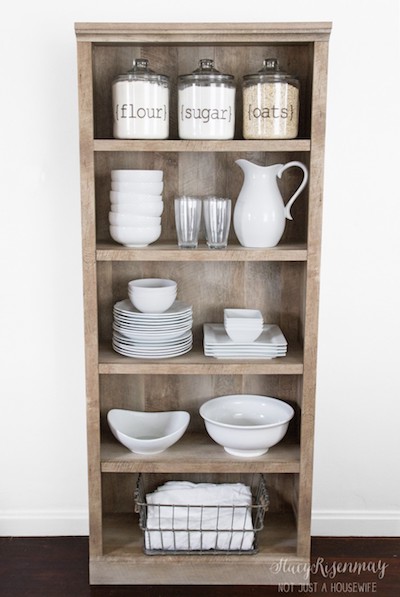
(171, 252)
(181, 145)
(197, 453)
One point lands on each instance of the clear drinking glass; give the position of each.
(217, 220)
(187, 221)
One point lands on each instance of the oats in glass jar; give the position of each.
(270, 104)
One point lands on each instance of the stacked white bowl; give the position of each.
(136, 206)
(152, 295)
(243, 325)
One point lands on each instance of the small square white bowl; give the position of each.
(243, 325)
(243, 315)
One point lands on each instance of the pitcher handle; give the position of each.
(301, 187)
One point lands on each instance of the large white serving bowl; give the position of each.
(147, 188)
(118, 219)
(118, 197)
(135, 236)
(140, 208)
(152, 295)
(147, 432)
(246, 425)
(137, 175)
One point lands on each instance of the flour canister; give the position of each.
(140, 103)
(270, 103)
(206, 103)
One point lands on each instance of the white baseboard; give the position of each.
(356, 523)
(341, 523)
(46, 523)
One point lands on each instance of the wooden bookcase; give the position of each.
(283, 282)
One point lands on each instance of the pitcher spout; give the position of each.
(244, 164)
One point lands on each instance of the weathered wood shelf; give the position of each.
(124, 559)
(197, 453)
(282, 282)
(108, 251)
(201, 146)
(194, 362)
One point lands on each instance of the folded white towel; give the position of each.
(199, 516)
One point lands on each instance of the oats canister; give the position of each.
(206, 103)
(270, 103)
(140, 103)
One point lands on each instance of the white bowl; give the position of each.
(147, 188)
(139, 208)
(243, 325)
(135, 236)
(117, 197)
(243, 316)
(137, 175)
(147, 432)
(246, 424)
(118, 219)
(152, 295)
(243, 336)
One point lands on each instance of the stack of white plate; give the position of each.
(152, 335)
(270, 344)
(136, 206)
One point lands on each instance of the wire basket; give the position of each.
(201, 529)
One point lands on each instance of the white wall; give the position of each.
(42, 427)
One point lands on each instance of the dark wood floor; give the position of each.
(57, 567)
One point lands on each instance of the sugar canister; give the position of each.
(140, 103)
(206, 103)
(270, 103)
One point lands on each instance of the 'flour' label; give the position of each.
(123, 111)
(141, 110)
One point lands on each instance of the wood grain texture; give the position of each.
(110, 60)
(312, 293)
(184, 146)
(196, 452)
(124, 545)
(193, 33)
(282, 282)
(195, 362)
(89, 288)
(169, 251)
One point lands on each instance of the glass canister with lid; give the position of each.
(270, 103)
(206, 103)
(140, 103)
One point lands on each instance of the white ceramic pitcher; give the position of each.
(260, 214)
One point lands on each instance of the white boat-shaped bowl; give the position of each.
(147, 432)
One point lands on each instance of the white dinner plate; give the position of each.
(215, 335)
(151, 335)
(152, 354)
(153, 343)
(126, 308)
(269, 345)
(153, 324)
